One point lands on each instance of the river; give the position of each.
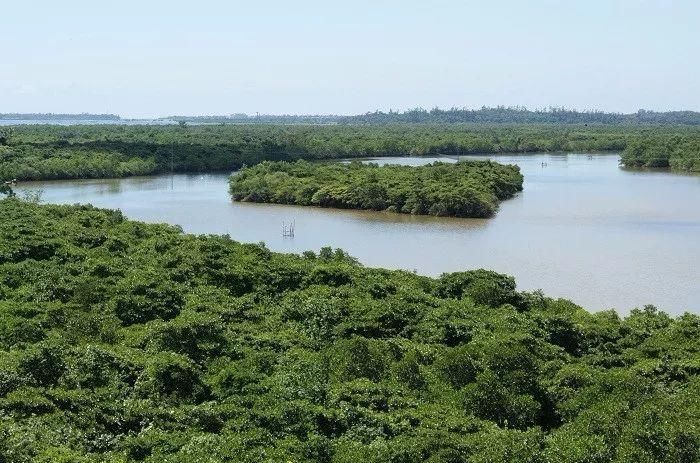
(583, 228)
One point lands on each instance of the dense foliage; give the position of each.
(680, 153)
(463, 189)
(90, 151)
(121, 341)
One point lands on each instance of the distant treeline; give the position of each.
(484, 115)
(464, 189)
(53, 117)
(500, 114)
(525, 116)
(96, 151)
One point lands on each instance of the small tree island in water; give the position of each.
(462, 189)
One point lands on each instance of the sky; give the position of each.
(151, 58)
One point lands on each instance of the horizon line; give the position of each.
(418, 109)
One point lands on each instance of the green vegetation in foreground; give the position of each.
(122, 341)
(98, 151)
(462, 189)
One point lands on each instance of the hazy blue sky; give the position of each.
(153, 58)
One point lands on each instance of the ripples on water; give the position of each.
(583, 228)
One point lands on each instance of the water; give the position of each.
(582, 229)
(8, 122)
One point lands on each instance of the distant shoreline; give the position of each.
(484, 115)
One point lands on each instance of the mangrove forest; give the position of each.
(99, 151)
(462, 189)
(127, 342)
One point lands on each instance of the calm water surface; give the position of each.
(582, 229)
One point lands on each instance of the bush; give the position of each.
(482, 286)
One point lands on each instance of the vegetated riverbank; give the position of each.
(575, 208)
(678, 153)
(463, 189)
(127, 341)
(100, 151)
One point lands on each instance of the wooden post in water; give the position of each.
(288, 230)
